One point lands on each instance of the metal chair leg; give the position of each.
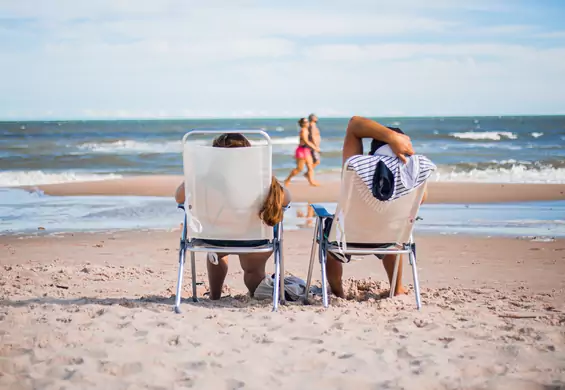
(193, 268)
(182, 252)
(276, 284)
(412, 256)
(311, 265)
(281, 252)
(322, 256)
(397, 261)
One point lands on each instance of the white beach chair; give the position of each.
(362, 219)
(225, 188)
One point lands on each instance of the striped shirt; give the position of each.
(407, 177)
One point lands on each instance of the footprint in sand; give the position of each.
(307, 339)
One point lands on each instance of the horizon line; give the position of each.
(208, 118)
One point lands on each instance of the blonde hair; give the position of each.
(272, 209)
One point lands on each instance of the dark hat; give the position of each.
(375, 145)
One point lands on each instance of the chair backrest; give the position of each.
(362, 219)
(225, 188)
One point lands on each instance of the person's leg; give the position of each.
(299, 167)
(315, 158)
(334, 269)
(388, 262)
(217, 275)
(310, 172)
(253, 265)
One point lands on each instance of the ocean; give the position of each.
(481, 149)
(486, 149)
(27, 213)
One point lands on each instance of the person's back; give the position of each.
(271, 213)
(401, 146)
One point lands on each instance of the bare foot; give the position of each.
(313, 183)
(339, 293)
(400, 291)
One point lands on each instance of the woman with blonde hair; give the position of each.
(271, 213)
(303, 155)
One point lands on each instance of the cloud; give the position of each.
(552, 34)
(186, 58)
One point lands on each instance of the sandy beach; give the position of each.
(439, 192)
(93, 310)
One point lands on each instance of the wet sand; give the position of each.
(439, 192)
(94, 311)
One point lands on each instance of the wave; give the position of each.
(506, 171)
(515, 173)
(132, 146)
(485, 135)
(141, 147)
(536, 134)
(25, 178)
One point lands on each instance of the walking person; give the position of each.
(303, 155)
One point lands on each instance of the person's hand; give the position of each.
(401, 145)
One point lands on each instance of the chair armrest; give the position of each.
(321, 211)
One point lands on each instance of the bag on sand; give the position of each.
(294, 288)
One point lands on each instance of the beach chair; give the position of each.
(225, 188)
(362, 219)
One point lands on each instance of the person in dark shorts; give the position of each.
(315, 138)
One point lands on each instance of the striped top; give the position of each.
(407, 177)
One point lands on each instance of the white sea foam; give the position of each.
(278, 141)
(485, 135)
(23, 178)
(536, 134)
(514, 174)
(131, 147)
(140, 147)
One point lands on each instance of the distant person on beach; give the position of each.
(358, 129)
(303, 155)
(253, 264)
(315, 138)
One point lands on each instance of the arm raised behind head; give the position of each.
(359, 128)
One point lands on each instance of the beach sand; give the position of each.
(439, 192)
(94, 310)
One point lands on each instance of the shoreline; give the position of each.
(328, 192)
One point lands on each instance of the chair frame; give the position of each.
(408, 248)
(188, 244)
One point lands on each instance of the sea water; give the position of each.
(22, 212)
(485, 149)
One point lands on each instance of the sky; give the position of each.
(78, 59)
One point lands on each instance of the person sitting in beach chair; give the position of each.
(271, 213)
(376, 181)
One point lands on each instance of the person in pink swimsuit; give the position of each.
(303, 155)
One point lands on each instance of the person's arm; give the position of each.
(179, 194)
(304, 139)
(359, 128)
(286, 197)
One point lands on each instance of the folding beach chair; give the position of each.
(362, 225)
(225, 189)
